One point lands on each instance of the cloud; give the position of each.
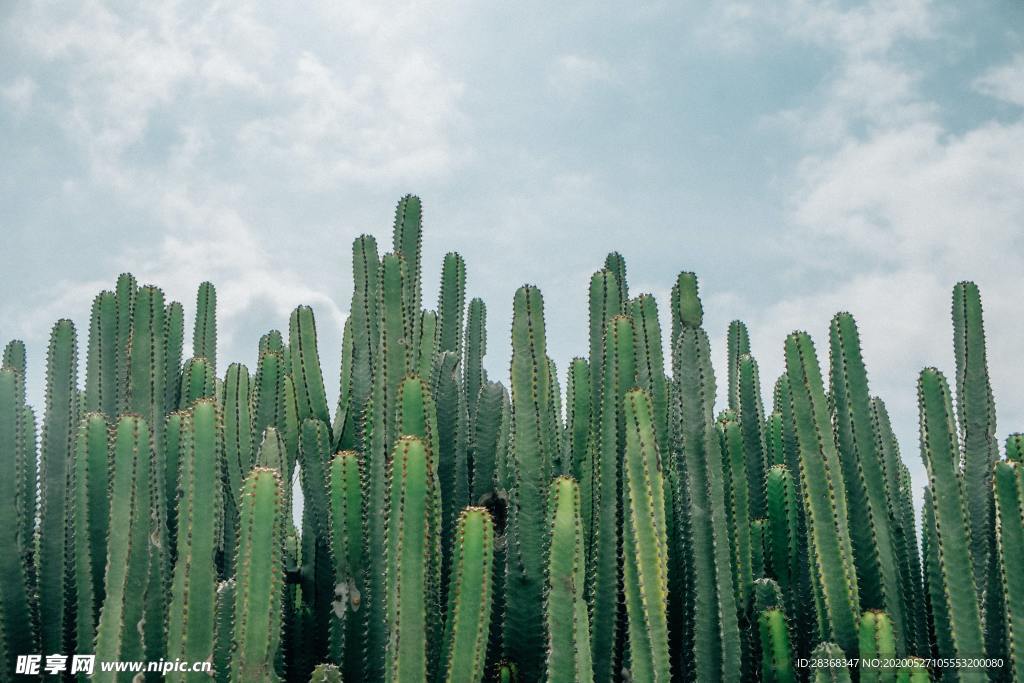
(1005, 82)
(19, 93)
(572, 73)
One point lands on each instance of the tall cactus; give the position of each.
(450, 446)
(238, 452)
(952, 528)
(475, 347)
(87, 540)
(567, 619)
(737, 505)
(645, 543)
(118, 633)
(101, 357)
(776, 650)
(16, 614)
(311, 399)
(451, 304)
(345, 498)
(191, 610)
(257, 621)
(225, 611)
(716, 638)
(619, 369)
(363, 321)
(317, 575)
(204, 334)
(737, 345)
(865, 476)
(469, 598)
(751, 419)
(578, 448)
(976, 417)
(616, 264)
(531, 461)
(605, 302)
(125, 292)
(174, 339)
(833, 574)
(486, 433)
(410, 549)
(1010, 546)
(58, 442)
(783, 533)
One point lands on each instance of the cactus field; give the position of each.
(606, 521)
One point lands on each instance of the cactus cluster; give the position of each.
(450, 527)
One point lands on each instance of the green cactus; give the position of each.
(617, 265)
(486, 432)
(876, 642)
(87, 541)
(411, 548)
(567, 619)
(737, 345)
(915, 672)
(118, 633)
(1009, 522)
(451, 304)
(938, 613)
(311, 399)
(256, 633)
(507, 672)
(645, 543)
(833, 574)
(174, 339)
(407, 243)
(828, 667)
(715, 628)
(197, 381)
(318, 579)
(751, 419)
(737, 506)
(345, 520)
(469, 598)
(59, 426)
(200, 517)
(939, 450)
(425, 344)
(605, 302)
(362, 322)
(532, 443)
(766, 595)
(475, 347)
(325, 673)
(16, 614)
(783, 533)
(101, 357)
(449, 446)
(238, 453)
(125, 292)
(618, 364)
(976, 417)
(225, 613)
(776, 650)
(865, 476)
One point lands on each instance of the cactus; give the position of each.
(776, 651)
(766, 595)
(783, 533)
(475, 347)
(952, 537)
(238, 453)
(618, 364)
(605, 302)
(567, 619)
(532, 443)
(449, 446)
(191, 610)
(87, 540)
(833, 575)
(311, 399)
(174, 334)
(876, 642)
(486, 424)
(257, 620)
(716, 638)
(865, 477)
(737, 345)
(424, 349)
(197, 381)
(1009, 522)
(16, 615)
(938, 613)
(645, 543)
(124, 293)
(345, 521)
(826, 670)
(325, 673)
(118, 632)
(225, 613)
(410, 549)
(317, 563)
(469, 598)
(101, 357)
(58, 441)
(204, 334)
(451, 304)
(407, 243)
(975, 415)
(737, 506)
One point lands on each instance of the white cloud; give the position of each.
(572, 73)
(1005, 82)
(19, 93)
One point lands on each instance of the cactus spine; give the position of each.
(257, 622)
(469, 598)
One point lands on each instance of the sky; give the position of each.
(802, 157)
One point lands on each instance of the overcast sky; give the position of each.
(802, 158)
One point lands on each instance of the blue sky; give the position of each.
(802, 158)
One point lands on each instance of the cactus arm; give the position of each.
(88, 542)
(100, 373)
(738, 502)
(191, 610)
(486, 433)
(469, 603)
(225, 612)
(1009, 484)
(238, 452)
(952, 530)
(125, 292)
(57, 443)
(363, 320)
(833, 574)
(876, 641)
(474, 375)
(977, 420)
(776, 651)
(407, 242)
(118, 635)
(604, 303)
(15, 620)
(204, 334)
(311, 398)
(616, 264)
(257, 619)
(345, 498)
(530, 461)
(737, 345)
(751, 419)
(645, 542)
(197, 381)
(451, 304)
(174, 340)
